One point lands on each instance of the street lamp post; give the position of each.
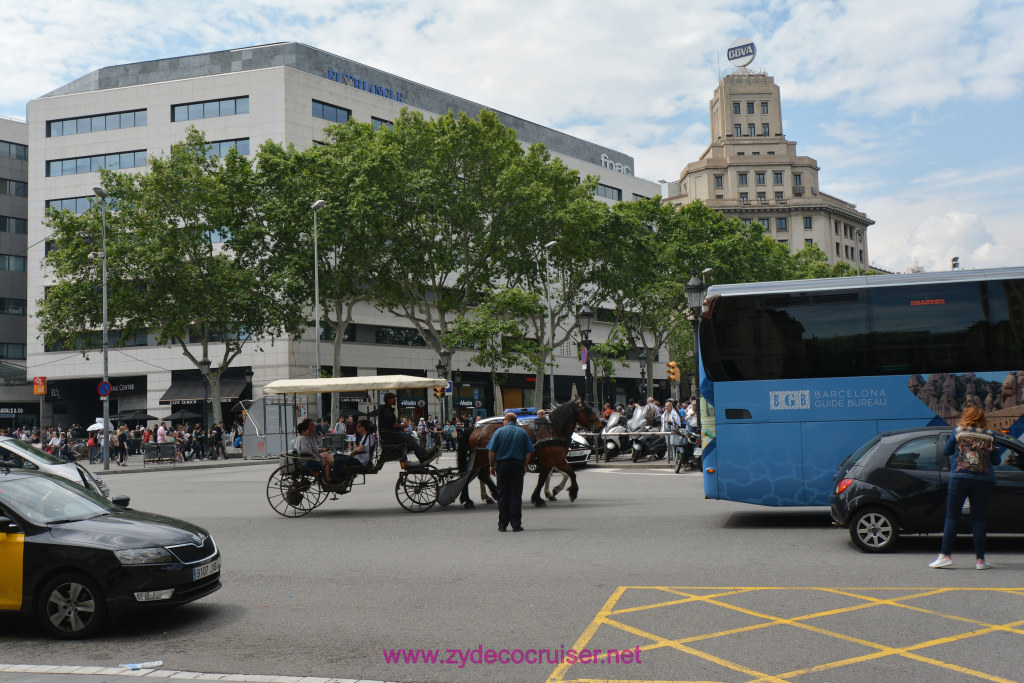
(456, 380)
(643, 376)
(585, 317)
(695, 290)
(204, 368)
(102, 194)
(551, 328)
(317, 205)
(445, 357)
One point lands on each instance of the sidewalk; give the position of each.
(135, 464)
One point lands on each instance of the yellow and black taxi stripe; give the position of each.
(12, 570)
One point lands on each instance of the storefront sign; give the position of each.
(39, 386)
(372, 88)
(7, 410)
(615, 166)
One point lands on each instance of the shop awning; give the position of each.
(195, 390)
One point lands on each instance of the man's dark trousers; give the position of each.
(510, 492)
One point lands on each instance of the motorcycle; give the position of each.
(686, 457)
(649, 446)
(613, 438)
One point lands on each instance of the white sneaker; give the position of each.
(941, 561)
(982, 564)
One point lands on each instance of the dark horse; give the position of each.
(551, 439)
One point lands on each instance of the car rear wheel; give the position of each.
(72, 606)
(875, 530)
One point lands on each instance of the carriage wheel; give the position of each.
(294, 492)
(416, 491)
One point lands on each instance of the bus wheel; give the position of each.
(875, 530)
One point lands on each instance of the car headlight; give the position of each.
(144, 556)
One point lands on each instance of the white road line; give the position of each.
(167, 673)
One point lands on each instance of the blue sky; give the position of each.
(913, 109)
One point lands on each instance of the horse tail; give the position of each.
(462, 450)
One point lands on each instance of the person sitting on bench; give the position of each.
(391, 431)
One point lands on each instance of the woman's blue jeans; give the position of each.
(977, 491)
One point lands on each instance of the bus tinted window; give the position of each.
(1006, 322)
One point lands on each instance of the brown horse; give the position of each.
(551, 439)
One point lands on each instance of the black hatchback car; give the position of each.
(76, 560)
(897, 482)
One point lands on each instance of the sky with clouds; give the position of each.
(913, 109)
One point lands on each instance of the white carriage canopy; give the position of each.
(325, 385)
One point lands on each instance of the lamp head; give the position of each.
(319, 204)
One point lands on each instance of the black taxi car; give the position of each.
(896, 484)
(76, 560)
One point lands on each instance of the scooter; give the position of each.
(613, 438)
(686, 457)
(652, 446)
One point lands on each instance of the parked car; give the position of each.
(896, 484)
(76, 560)
(579, 453)
(21, 455)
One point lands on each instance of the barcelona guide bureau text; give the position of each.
(830, 398)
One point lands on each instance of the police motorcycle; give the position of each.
(614, 438)
(651, 446)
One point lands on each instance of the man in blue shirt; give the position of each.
(510, 451)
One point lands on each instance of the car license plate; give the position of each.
(205, 570)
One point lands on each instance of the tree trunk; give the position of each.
(214, 378)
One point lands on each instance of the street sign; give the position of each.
(104, 388)
(448, 389)
(39, 386)
(583, 355)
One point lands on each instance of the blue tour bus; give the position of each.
(797, 375)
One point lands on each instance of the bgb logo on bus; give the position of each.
(790, 400)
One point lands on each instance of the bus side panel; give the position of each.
(764, 464)
(826, 444)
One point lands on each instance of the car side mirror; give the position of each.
(8, 526)
(121, 501)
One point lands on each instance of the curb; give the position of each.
(181, 467)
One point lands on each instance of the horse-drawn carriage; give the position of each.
(300, 484)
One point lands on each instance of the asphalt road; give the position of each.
(640, 560)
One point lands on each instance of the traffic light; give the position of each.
(673, 370)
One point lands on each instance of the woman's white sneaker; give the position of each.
(982, 564)
(941, 561)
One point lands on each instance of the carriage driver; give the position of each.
(391, 431)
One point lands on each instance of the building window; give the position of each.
(400, 336)
(76, 205)
(95, 124)
(12, 351)
(837, 230)
(17, 226)
(15, 188)
(12, 306)
(759, 177)
(381, 123)
(779, 197)
(755, 154)
(784, 243)
(776, 177)
(741, 178)
(220, 148)
(737, 130)
(762, 198)
(12, 263)
(797, 180)
(746, 221)
(743, 196)
(719, 182)
(765, 223)
(764, 107)
(639, 197)
(771, 153)
(739, 154)
(837, 248)
(608, 192)
(750, 130)
(861, 255)
(329, 112)
(12, 150)
(807, 223)
(846, 251)
(60, 167)
(210, 109)
(735, 107)
(764, 129)
(750, 107)
(808, 242)
(781, 225)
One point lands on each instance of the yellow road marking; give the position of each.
(711, 597)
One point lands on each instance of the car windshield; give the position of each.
(26, 451)
(859, 454)
(49, 500)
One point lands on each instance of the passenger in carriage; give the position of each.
(307, 444)
(359, 456)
